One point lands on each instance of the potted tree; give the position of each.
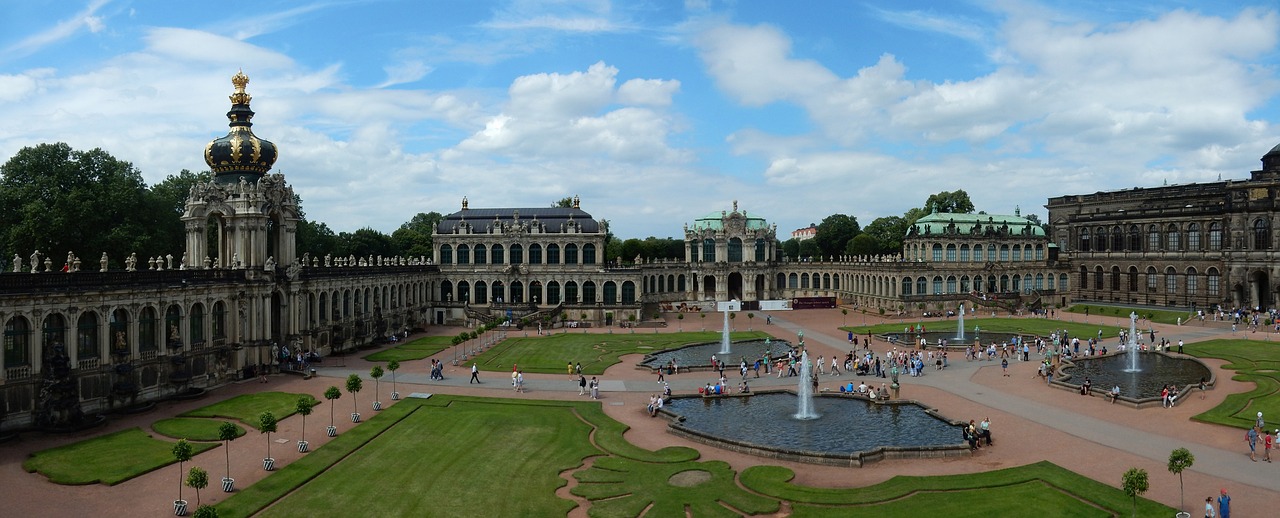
(1179, 460)
(680, 317)
(376, 374)
(304, 406)
(206, 511)
(183, 452)
(393, 366)
(197, 479)
(354, 384)
(1135, 483)
(331, 394)
(750, 317)
(227, 433)
(267, 424)
(704, 320)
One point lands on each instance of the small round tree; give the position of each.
(227, 432)
(267, 424)
(197, 479)
(331, 394)
(376, 374)
(750, 318)
(304, 406)
(1179, 460)
(680, 317)
(206, 511)
(354, 384)
(393, 366)
(183, 452)
(1135, 483)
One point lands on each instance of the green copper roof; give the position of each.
(715, 221)
(973, 224)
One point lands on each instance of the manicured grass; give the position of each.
(191, 428)
(414, 350)
(109, 459)
(596, 352)
(978, 494)
(246, 408)
(1031, 326)
(1160, 316)
(1253, 360)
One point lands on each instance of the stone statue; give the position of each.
(35, 262)
(270, 266)
(183, 265)
(207, 262)
(75, 264)
(217, 262)
(17, 263)
(168, 261)
(102, 263)
(71, 258)
(294, 270)
(328, 261)
(235, 256)
(131, 263)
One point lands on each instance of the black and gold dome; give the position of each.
(240, 154)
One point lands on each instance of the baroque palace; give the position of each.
(89, 340)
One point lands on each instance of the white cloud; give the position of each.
(64, 29)
(405, 72)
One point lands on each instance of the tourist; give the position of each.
(1259, 423)
(1208, 507)
(595, 388)
(984, 430)
(835, 371)
(1114, 394)
(475, 374)
(653, 405)
(569, 369)
(821, 363)
(1085, 387)
(1266, 446)
(582, 385)
(862, 387)
(661, 378)
(884, 392)
(1251, 437)
(520, 381)
(1224, 504)
(1004, 367)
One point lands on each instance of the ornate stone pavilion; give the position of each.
(1197, 245)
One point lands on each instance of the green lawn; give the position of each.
(246, 408)
(1161, 316)
(1031, 326)
(109, 459)
(415, 350)
(596, 352)
(191, 428)
(1253, 360)
(461, 456)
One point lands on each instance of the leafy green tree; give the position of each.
(304, 406)
(791, 248)
(206, 511)
(888, 232)
(949, 201)
(809, 249)
(413, 238)
(393, 366)
(316, 239)
(197, 479)
(376, 374)
(173, 191)
(354, 384)
(863, 244)
(365, 242)
(834, 234)
(1179, 460)
(56, 199)
(227, 432)
(630, 249)
(563, 203)
(267, 424)
(183, 452)
(331, 394)
(1135, 483)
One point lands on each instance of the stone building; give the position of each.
(1199, 245)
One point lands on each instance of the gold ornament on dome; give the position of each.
(240, 96)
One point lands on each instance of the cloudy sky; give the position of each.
(658, 112)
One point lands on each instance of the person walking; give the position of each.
(595, 388)
(1224, 504)
(1004, 366)
(1251, 437)
(1266, 446)
(582, 385)
(475, 374)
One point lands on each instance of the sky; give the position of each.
(655, 113)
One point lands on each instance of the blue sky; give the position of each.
(655, 113)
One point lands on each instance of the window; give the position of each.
(951, 284)
(535, 254)
(589, 292)
(978, 254)
(760, 250)
(735, 250)
(1100, 235)
(17, 343)
(1172, 240)
(1084, 277)
(1170, 280)
(147, 341)
(906, 285)
(464, 254)
(481, 254)
(496, 253)
(964, 253)
(571, 253)
(693, 251)
(1133, 278)
(553, 254)
(1084, 240)
(1097, 278)
(1017, 252)
(1212, 281)
(937, 253)
(1115, 278)
(1191, 281)
(1153, 238)
(517, 254)
(1135, 239)
(1117, 239)
(1151, 278)
(87, 336)
(1261, 234)
(1004, 253)
(589, 254)
(937, 284)
(1193, 237)
(446, 254)
(1039, 252)
(553, 293)
(708, 250)
(922, 286)
(1215, 236)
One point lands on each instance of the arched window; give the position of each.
(1135, 239)
(464, 292)
(480, 295)
(220, 317)
(571, 253)
(196, 324)
(87, 336)
(610, 293)
(495, 292)
(951, 253)
(937, 252)
(1133, 278)
(553, 254)
(172, 326)
(1193, 237)
(1097, 278)
(793, 281)
(1004, 253)
(446, 254)
(589, 253)
(517, 254)
(481, 255)
(1153, 238)
(922, 286)
(1115, 278)
(148, 341)
(693, 251)
(571, 292)
(1152, 280)
(964, 253)
(1211, 281)
(464, 254)
(937, 284)
(496, 253)
(1062, 282)
(118, 330)
(1100, 235)
(1117, 239)
(1084, 240)
(760, 250)
(708, 250)
(1039, 252)
(1215, 236)
(628, 292)
(1170, 280)
(735, 250)
(535, 254)
(17, 343)
(1172, 239)
(979, 254)
(906, 285)
(1261, 234)
(553, 293)
(951, 284)
(804, 281)
(1192, 281)
(589, 293)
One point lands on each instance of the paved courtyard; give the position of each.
(1030, 422)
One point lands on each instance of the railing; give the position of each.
(149, 355)
(17, 373)
(88, 364)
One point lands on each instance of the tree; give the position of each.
(949, 201)
(750, 317)
(183, 452)
(331, 394)
(393, 366)
(354, 384)
(1179, 460)
(790, 248)
(364, 243)
(376, 374)
(809, 249)
(267, 424)
(316, 239)
(304, 406)
(56, 199)
(227, 432)
(834, 233)
(680, 317)
(862, 244)
(206, 511)
(413, 238)
(563, 203)
(1135, 483)
(197, 479)
(888, 232)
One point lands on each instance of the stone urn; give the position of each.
(269, 464)
(228, 484)
(303, 446)
(355, 417)
(331, 430)
(179, 507)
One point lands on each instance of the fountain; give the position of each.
(1131, 350)
(724, 334)
(699, 355)
(960, 325)
(804, 403)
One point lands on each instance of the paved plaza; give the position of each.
(1030, 422)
